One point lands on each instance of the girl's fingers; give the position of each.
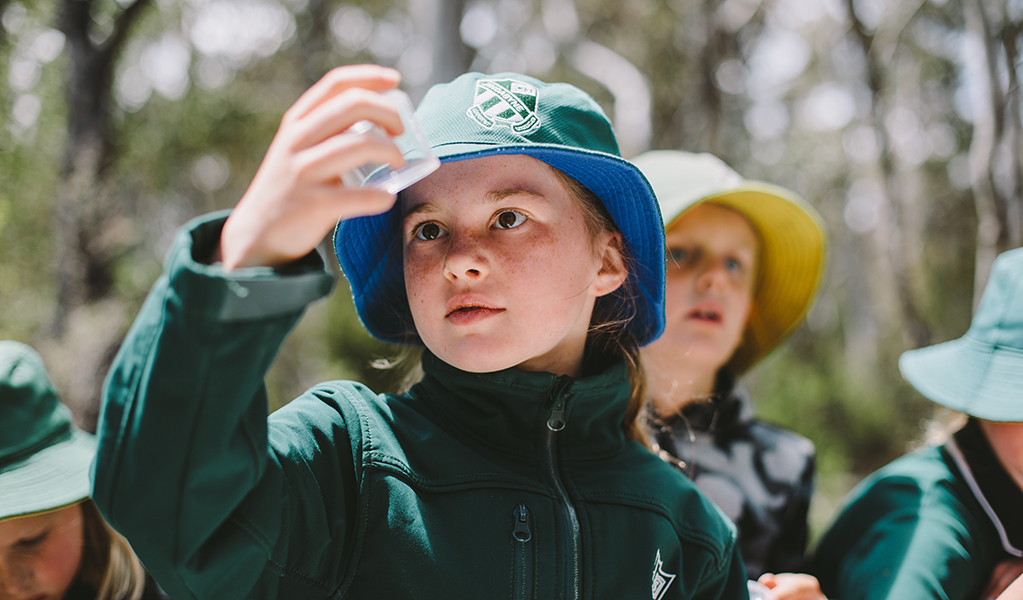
(339, 79)
(341, 203)
(337, 155)
(340, 112)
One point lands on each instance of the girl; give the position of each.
(53, 542)
(744, 262)
(945, 522)
(529, 266)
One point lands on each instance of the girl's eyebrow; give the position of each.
(488, 198)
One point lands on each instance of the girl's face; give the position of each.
(39, 554)
(711, 270)
(499, 268)
(1006, 440)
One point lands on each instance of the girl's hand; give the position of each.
(792, 586)
(296, 197)
(1005, 574)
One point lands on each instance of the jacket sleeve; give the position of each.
(213, 500)
(729, 583)
(892, 543)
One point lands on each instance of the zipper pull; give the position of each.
(521, 531)
(556, 422)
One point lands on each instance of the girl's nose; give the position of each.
(465, 260)
(711, 277)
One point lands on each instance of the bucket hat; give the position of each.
(479, 115)
(981, 373)
(44, 459)
(791, 233)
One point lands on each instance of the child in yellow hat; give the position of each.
(744, 261)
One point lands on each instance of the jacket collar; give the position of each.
(996, 492)
(509, 410)
(727, 408)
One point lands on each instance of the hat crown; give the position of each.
(512, 109)
(31, 415)
(681, 179)
(999, 318)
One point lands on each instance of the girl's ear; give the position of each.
(613, 270)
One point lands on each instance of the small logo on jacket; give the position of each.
(661, 580)
(505, 102)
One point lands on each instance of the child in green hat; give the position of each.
(53, 542)
(946, 521)
(529, 266)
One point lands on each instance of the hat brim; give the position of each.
(968, 376)
(371, 257)
(54, 477)
(791, 262)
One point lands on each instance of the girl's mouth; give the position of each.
(469, 314)
(705, 315)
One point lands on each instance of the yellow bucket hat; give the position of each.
(793, 243)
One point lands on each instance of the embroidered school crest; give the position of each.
(505, 102)
(661, 580)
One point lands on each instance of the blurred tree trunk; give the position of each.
(893, 262)
(85, 329)
(995, 153)
(440, 22)
(3, 32)
(314, 39)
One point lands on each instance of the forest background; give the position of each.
(899, 120)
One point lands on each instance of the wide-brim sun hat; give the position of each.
(479, 115)
(980, 373)
(44, 458)
(793, 243)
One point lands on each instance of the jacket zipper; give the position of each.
(522, 569)
(569, 519)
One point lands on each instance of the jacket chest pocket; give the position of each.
(523, 553)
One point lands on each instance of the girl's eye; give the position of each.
(732, 265)
(509, 219)
(677, 256)
(429, 231)
(28, 543)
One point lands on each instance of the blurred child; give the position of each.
(53, 542)
(530, 266)
(744, 261)
(946, 521)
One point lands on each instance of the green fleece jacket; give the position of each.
(929, 526)
(497, 485)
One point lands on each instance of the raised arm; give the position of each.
(212, 499)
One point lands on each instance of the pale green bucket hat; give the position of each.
(981, 373)
(44, 459)
(791, 233)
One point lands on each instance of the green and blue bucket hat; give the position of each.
(44, 459)
(981, 373)
(479, 115)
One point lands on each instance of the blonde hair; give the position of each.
(109, 565)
